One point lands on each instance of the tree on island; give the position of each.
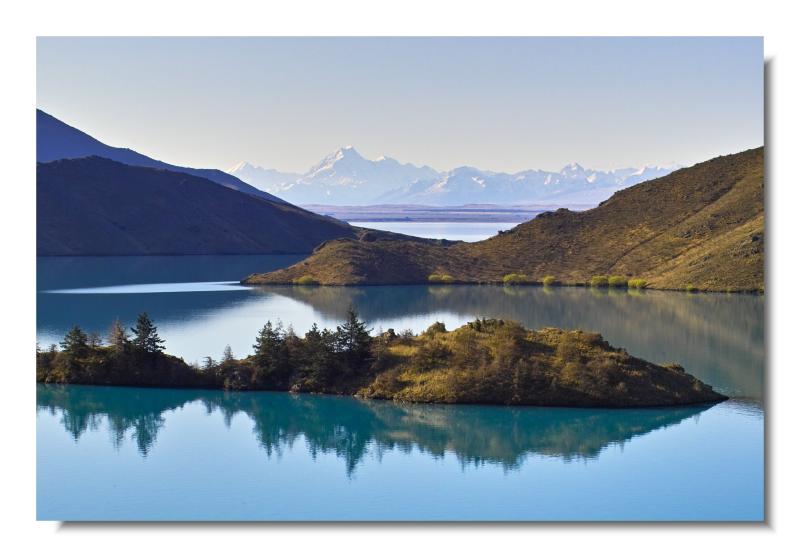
(208, 363)
(485, 361)
(353, 340)
(146, 335)
(316, 356)
(117, 336)
(75, 343)
(271, 356)
(95, 340)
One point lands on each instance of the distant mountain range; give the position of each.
(346, 178)
(93, 199)
(700, 227)
(96, 206)
(266, 179)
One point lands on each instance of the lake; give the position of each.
(464, 231)
(108, 453)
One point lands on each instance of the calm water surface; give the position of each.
(138, 454)
(464, 231)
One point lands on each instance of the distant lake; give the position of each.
(465, 231)
(157, 454)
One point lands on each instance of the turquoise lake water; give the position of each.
(138, 454)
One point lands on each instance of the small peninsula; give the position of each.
(698, 228)
(486, 361)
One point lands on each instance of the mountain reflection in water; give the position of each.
(149, 454)
(719, 338)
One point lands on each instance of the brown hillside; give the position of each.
(702, 226)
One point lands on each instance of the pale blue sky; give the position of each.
(495, 103)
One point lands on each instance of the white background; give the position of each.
(22, 22)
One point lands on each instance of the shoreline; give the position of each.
(752, 291)
(486, 361)
(731, 399)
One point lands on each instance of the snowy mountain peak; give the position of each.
(346, 154)
(265, 179)
(240, 167)
(345, 177)
(347, 151)
(573, 169)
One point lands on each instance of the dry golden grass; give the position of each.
(501, 362)
(703, 225)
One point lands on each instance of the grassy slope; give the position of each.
(701, 225)
(500, 362)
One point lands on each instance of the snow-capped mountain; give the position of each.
(346, 178)
(266, 179)
(573, 184)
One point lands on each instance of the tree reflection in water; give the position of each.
(353, 429)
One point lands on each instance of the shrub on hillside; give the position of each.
(306, 279)
(440, 278)
(617, 281)
(549, 280)
(599, 280)
(437, 327)
(516, 278)
(637, 283)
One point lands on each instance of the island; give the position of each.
(698, 228)
(486, 361)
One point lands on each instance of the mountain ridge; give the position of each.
(346, 177)
(263, 178)
(96, 206)
(130, 204)
(701, 226)
(56, 140)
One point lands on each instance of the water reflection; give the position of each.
(353, 429)
(83, 272)
(717, 337)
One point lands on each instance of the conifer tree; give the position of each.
(95, 340)
(75, 343)
(271, 357)
(353, 340)
(208, 363)
(118, 336)
(317, 355)
(146, 335)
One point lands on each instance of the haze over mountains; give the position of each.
(346, 178)
(56, 140)
(701, 226)
(264, 178)
(96, 206)
(93, 199)
(343, 177)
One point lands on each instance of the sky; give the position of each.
(503, 104)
